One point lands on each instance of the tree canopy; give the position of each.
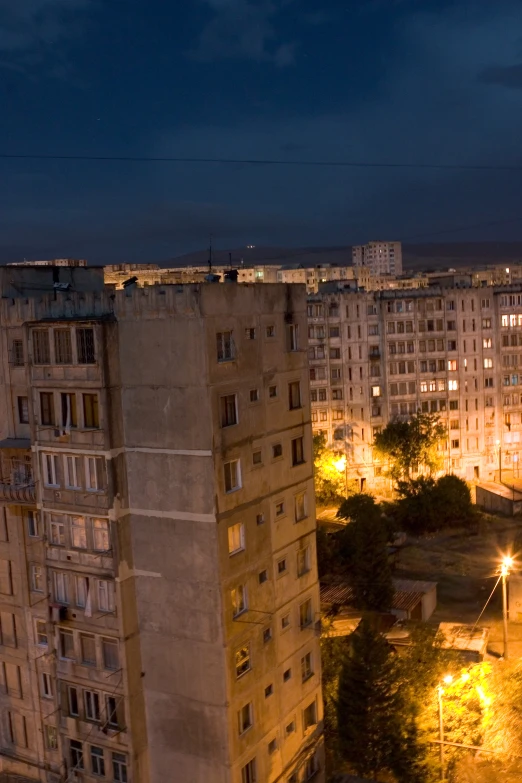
(329, 472)
(408, 445)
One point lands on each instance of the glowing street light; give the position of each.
(340, 464)
(507, 564)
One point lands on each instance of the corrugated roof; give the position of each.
(407, 594)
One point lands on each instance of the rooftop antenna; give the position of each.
(210, 256)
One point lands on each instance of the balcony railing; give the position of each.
(17, 488)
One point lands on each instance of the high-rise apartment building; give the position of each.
(450, 351)
(381, 258)
(158, 584)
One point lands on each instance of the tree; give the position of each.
(329, 472)
(410, 444)
(363, 548)
(425, 505)
(376, 730)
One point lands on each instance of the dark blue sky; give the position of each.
(375, 80)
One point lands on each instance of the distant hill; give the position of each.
(416, 257)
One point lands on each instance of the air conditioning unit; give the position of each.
(57, 495)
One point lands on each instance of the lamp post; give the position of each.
(504, 572)
(448, 679)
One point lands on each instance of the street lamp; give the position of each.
(448, 679)
(342, 466)
(507, 563)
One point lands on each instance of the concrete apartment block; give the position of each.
(158, 584)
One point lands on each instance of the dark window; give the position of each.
(91, 416)
(69, 417)
(228, 405)
(62, 346)
(277, 450)
(225, 347)
(97, 761)
(23, 410)
(269, 690)
(41, 351)
(76, 749)
(254, 395)
(85, 346)
(18, 353)
(263, 576)
(294, 395)
(111, 707)
(248, 773)
(272, 391)
(297, 451)
(46, 408)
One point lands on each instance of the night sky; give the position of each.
(379, 81)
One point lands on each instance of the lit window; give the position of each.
(488, 363)
(376, 391)
(236, 538)
(453, 385)
(242, 660)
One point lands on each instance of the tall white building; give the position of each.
(381, 258)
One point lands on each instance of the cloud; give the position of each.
(244, 30)
(505, 76)
(31, 30)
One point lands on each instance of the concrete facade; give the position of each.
(451, 351)
(381, 258)
(158, 547)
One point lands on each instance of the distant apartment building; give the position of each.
(453, 352)
(159, 602)
(381, 258)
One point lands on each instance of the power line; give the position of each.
(264, 162)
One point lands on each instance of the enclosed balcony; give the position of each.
(16, 471)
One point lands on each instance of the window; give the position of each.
(94, 473)
(72, 701)
(257, 458)
(245, 717)
(270, 331)
(305, 613)
(290, 728)
(41, 633)
(310, 716)
(337, 394)
(453, 385)
(97, 761)
(228, 406)
(455, 444)
(300, 506)
(285, 622)
(293, 337)
(452, 365)
(488, 364)
(272, 391)
(487, 342)
(50, 470)
(61, 587)
(66, 644)
(119, 768)
(454, 405)
(311, 767)
(105, 595)
(85, 346)
(488, 383)
(73, 467)
(76, 750)
(267, 635)
(47, 686)
(100, 529)
(287, 675)
(242, 660)
(281, 566)
(248, 773)
(260, 519)
(335, 373)
(277, 450)
(279, 509)
(250, 333)
(269, 690)
(303, 561)
(294, 395)
(91, 703)
(239, 600)
(51, 737)
(272, 746)
(81, 590)
(263, 576)
(32, 523)
(36, 578)
(306, 667)
(225, 347)
(236, 538)
(335, 353)
(78, 533)
(91, 416)
(23, 410)
(41, 350)
(47, 408)
(254, 395)
(57, 531)
(62, 346)
(232, 472)
(111, 710)
(17, 353)
(110, 653)
(298, 451)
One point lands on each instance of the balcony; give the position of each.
(16, 493)
(16, 473)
